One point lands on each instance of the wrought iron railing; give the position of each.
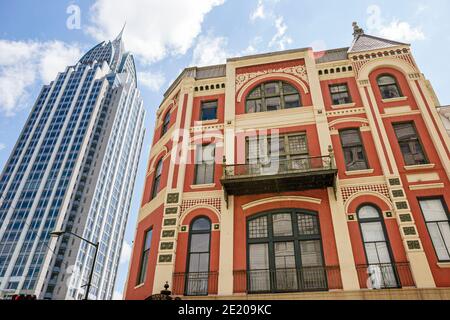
(385, 276)
(306, 279)
(195, 284)
(279, 167)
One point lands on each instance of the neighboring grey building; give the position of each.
(73, 168)
(444, 112)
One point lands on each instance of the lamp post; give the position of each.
(57, 234)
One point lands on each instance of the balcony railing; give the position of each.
(195, 284)
(279, 176)
(306, 279)
(385, 276)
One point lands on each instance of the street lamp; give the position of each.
(59, 233)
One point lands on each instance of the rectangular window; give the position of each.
(281, 153)
(208, 111)
(410, 144)
(438, 223)
(354, 153)
(205, 163)
(145, 257)
(340, 94)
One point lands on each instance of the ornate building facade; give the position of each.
(298, 174)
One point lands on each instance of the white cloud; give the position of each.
(152, 80)
(280, 39)
(155, 29)
(2, 146)
(259, 13)
(395, 29)
(26, 63)
(126, 253)
(401, 31)
(210, 50)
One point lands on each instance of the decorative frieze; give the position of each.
(296, 71)
(165, 258)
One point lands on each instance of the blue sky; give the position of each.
(36, 42)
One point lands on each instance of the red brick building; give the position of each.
(298, 174)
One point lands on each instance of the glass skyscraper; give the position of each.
(73, 168)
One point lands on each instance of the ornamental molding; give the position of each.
(297, 71)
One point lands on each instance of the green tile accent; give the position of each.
(414, 245)
(165, 258)
(167, 245)
(398, 193)
(173, 198)
(401, 205)
(170, 211)
(409, 231)
(405, 217)
(168, 233)
(170, 222)
(394, 182)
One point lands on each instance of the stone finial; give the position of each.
(357, 31)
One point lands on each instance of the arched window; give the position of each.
(380, 269)
(285, 253)
(197, 278)
(388, 87)
(272, 96)
(166, 124)
(157, 179)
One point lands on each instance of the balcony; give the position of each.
(195, 284)
(385, 276)
(306, 279)
(306, 173)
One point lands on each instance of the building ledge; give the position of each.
(203, 186)
(444, 265)
(420, 167)
(395, 99)
(359, 172)
(343, 106)
(394, 294)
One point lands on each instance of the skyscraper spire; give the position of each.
(119, 37)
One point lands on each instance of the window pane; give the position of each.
(433, 210)
(311, 253)
(209, 111)
(201, 224)
(259, 275)
(284, 255)
(386, 80)
(273, 104)
(288, 89)
(350, 138)
(258, 228)
(282, 225)
(259, 256)
(256, 93)
(200, 243)
(272, 89)
(148, 240)
(308, 225)
(254, 106)
(405, 131)
(298, 145)
(390, 91)
(442, 250)
(292, 101)
(198, 262)
(355, 158)
(368, 212)
(286, 273)
(372, 232)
